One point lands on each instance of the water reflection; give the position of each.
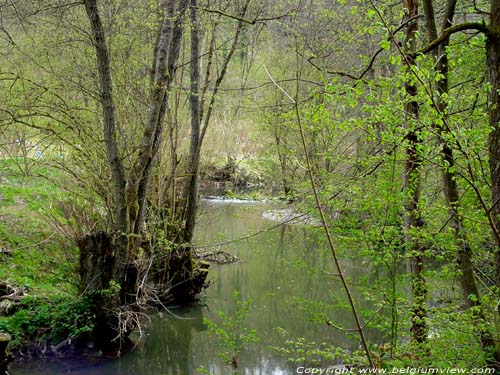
(282, 270)
(168, 349)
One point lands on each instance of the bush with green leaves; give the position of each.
(233, 337)
(41, 321)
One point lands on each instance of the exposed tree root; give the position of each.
(10, 296)
(219, 257)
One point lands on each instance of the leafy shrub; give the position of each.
(43, 320)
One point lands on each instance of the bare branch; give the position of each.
(372, 60)
(245, 20)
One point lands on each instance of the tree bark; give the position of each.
(451, 192)
(192, 180)
(188, 280)
(97, 261)
(166, 56)
(120, 224)
(412, 185)
(472, 296)
(493, 62)
(104, 258)
(188, 209)
(97, 264)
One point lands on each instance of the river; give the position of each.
(283, 271)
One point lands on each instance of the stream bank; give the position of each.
(282, 273)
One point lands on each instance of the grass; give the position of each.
(41, 258)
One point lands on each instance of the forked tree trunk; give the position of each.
(166, 55)
(190, 278)
(107, 257)
(120, 220)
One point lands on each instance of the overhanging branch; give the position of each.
(467, 26)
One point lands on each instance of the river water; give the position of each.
(283, 271)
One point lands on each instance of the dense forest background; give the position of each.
(379, 119)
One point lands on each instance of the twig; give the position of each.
(245, 20)
(372, 59)
(253, 234)
(278, 86)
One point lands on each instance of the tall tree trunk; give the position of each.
(451, 192)
(493, 61)
(105, 257)
(413, 220)
(120, 221)
(189, 206)
(186, 283)
(189, 280)
(192, 180)
(166, 56)
(472, 296)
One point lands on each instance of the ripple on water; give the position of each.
(227, 200)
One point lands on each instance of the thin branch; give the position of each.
(369, 66)
(278, 86)
(245, 20)
(255, 234)
(333, 72)
(480, 11)
(331, 324)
